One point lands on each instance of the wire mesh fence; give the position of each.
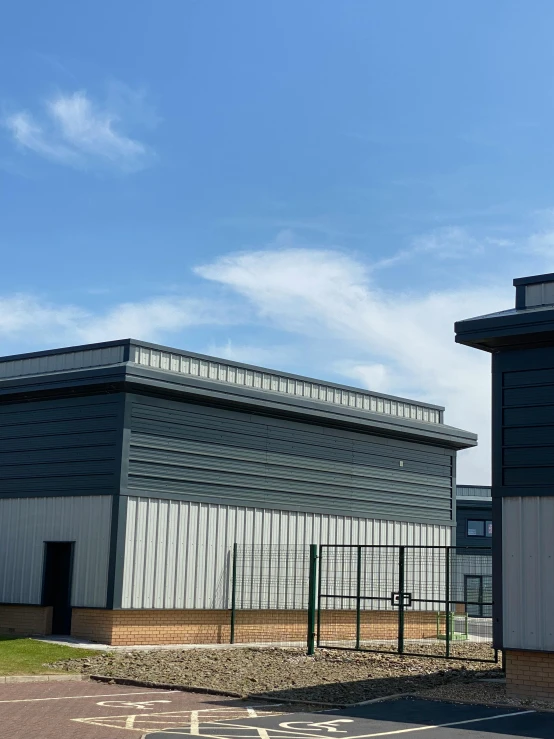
(270, 594)
(422, 600)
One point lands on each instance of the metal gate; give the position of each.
(416, 600)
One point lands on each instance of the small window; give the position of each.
(476, 528)
(489, 528)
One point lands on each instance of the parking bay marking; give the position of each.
(77, 697)
(141, 705)
(284, 733)
(193, 720)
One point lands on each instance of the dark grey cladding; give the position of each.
(188, 451)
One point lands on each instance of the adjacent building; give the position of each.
(473, 566)
(128, 471)
(521, 344)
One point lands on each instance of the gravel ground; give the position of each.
(330, 676)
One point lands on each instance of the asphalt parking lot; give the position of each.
(71, 710)
(403, 718)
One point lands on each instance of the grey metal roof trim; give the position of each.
(499, 329)
(387, 425)
(133, 378)
(179, 362)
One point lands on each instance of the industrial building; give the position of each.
(474, 565)
(521, 343)
(128, 471)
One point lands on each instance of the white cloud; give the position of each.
(28, 320)
(327, 296)
(75, 131)
(269, 356)
(448, 243)
(375, 376)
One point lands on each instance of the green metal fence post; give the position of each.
(319, 578)
(401, 559)
(358, 597)
(312, 598)
(234, 593)
(447, 614)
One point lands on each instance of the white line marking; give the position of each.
(442, 726)
(194, 723)
(270, 732)
(77, 697)
(130, 722)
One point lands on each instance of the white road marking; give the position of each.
(327, 725)
(442, 726)
(78, 697)
(195, 719)
(141, 705)
(270, 733)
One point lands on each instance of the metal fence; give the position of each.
(421, 600)
(273, 594)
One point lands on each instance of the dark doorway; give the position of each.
(57, 584)
(478, 595)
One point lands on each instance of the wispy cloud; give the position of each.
(38, 322)
(448, 243)
(74, 130)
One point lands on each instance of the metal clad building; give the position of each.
(521, 342)
(134, 468)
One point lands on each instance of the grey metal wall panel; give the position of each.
(61, 361)
(26, 523)
(473, 491)
(527, 581)
(224, 456)
(67, 446)
(526, 433)
(178, 553)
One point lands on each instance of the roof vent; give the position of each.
(532, 292)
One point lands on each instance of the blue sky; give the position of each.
(318, 186)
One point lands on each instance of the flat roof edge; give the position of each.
(128, 344)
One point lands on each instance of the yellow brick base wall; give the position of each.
(25, 620)
(529, 674)
(128, 628)
(94, 624)
(375, 625)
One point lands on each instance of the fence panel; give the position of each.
(421, 600)
(270, 595)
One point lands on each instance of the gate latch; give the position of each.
(397, 598)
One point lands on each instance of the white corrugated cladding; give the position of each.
(61, 361)
(528, 572)
(26, 523)
(178, 553)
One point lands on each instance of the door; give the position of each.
(474, 595)
(57, 584)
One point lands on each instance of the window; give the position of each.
(476, 528)
(489, 528)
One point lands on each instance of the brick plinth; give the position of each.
(25, 620)
(529, 674)
(128, 628)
